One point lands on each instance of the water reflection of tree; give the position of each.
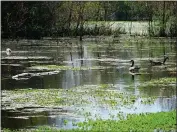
(167, 103)
(81, 52)
(109, 49)
(70, 47)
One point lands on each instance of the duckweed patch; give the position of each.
(57, 67)
(103, 95)
(161, 121)
(26, 97)
(160, 82)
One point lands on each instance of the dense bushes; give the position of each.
(31, 19)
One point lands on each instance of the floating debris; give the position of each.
(25, 76)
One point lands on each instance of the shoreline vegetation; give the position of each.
(160, 121)
(34, 20)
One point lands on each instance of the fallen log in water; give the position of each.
(25, 76)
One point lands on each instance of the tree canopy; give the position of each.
(32, 19)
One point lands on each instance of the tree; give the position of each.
(14, 17)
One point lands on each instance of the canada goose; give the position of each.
(133, 68)
(8, 51)
(154, 63)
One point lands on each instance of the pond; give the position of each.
(86, 66)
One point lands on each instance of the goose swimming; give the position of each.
(155, 63)
(133, 68)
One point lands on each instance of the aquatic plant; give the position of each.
(56, 67)
(161, 121)
(133, 122)
(42, 97)
(103, 95)
(160, 82)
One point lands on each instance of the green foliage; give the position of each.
(26, 19)
(142, 122)
(67, 18)
(162, 121)
(171, 26)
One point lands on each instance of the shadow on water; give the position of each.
(114, 57)
(25, 119)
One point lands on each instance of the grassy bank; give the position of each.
(164, 121)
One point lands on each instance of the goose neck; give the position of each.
(132, 64)
(164, 60)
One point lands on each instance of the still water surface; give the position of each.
(115, 56)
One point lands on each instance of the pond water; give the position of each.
(114, 56)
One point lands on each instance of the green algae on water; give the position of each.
(57, 67)
(102, 95)
(160, 82)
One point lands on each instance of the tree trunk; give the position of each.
(69, 19)
(163, 21)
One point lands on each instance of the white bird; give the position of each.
(8, 51)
